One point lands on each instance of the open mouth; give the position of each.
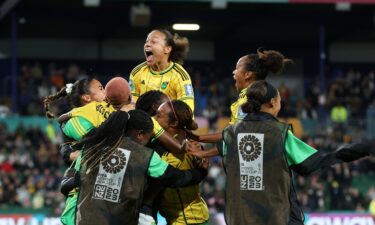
(148, 54)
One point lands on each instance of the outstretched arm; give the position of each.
(304, 159)
(207, 138)
(194, 149)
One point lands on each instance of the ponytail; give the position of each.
(51, 98)
(264, 62)
(259, 93)
(180, 46)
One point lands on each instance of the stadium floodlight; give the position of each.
(343, 6)
(91, 3)
(186, 26)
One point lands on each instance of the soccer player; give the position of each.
(249, 68)
(259, 154)
(162, 69)
(82, 93)
(116, 167)
(86, 97)
(81, 120)
(180, 205)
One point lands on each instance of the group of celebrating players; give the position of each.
(131, 151)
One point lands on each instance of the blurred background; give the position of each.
(328, 93)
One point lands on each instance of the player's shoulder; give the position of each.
(138, 68)
(87, 106)
(181, 72)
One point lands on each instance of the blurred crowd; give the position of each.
(31, 169)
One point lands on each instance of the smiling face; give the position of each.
(155, 49)
(162, 116)
(96, 93)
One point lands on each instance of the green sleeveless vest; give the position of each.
(258, 176)
(112, 193)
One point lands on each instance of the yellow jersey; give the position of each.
(95, 112)
(194, 210)
(173, 81)
(236, 111)
(158, 130)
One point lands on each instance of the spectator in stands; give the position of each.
(339, 115)
(4, 109)
(370, 116)
(308, 112)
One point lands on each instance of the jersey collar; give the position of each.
(171, 64)
(242, 93)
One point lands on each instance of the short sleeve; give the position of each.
(296, 150)
(222, 147)
(157, 166)
(77, 127)
(184, 87)
(158, 130)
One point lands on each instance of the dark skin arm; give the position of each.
(196, 150)
(207, 138)
(173, 177)
(165, 139)
(345, 153)
(173, 146)
(63, 118)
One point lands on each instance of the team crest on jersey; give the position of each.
(131, 85)
(108, 182)
(164, 85)
(189, 90)
(143, 82)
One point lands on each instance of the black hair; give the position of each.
(79, 88)
(140, 120)
(257, 94)
(265, 62)
(180, 46)
(149, 101)
(183, 114)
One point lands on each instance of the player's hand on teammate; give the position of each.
(201, 163)
(63, 118)
(68, 153)
(128, 107)
(194, 148)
